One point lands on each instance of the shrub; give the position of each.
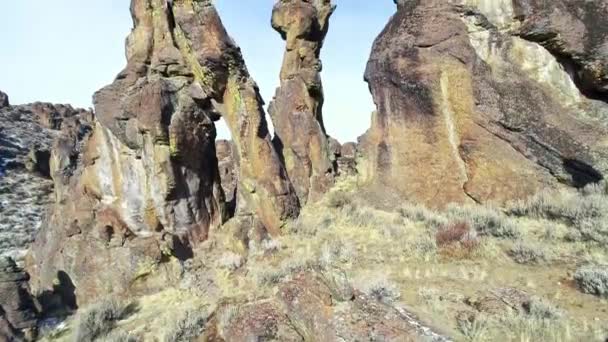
(586, 210)
(230, 261)
(187, 327)
(541, 309)
(99, 319)
(380, 288)
(485, 221)
(424, 247)
(523, 253)
(451, 234)
(593, 279)
(338, 199)
(419, 213)
(457, 240)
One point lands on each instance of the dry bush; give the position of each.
(525, 253)
(419, 213)
(338, 199)
(457, 240)
(187, 327)
(379, 287)
(593, 279)
(484, 220)
(99, 319)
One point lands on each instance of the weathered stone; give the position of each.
(452, 127)
(16, 303)
(4, 100)
(296, 109)
(137, 193)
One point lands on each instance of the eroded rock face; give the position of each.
(468, 111)
(296, 109)
(138, 192)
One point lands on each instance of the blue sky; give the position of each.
(64, 50)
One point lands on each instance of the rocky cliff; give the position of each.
(482, 101)
(147, 187)
(296, 109)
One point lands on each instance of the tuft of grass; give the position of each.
(593, 279)
(99, 319)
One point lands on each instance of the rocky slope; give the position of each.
(472, 108)
(26, 139)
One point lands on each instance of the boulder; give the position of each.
(469, 110)
(296, 109)
(135, 195)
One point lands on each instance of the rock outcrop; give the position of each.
(146, 186)
(471, 110)
(307, 309)
(296, 109)
(17, 306)
(26, 138)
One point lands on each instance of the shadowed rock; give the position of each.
(296, 109)
(470, 112)
(16, 303)
(4, 100)
(146, 187)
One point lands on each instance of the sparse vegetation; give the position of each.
(186, 327)
(593, 279)
(99, 319)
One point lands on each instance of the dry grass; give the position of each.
(99, 319)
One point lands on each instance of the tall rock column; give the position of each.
(296, 110)
(143, 188)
